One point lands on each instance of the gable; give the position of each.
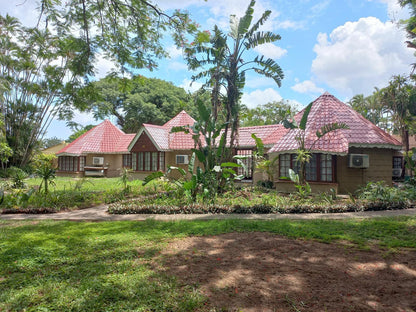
(143, 144)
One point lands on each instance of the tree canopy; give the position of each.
(392, 108)
(267, 114)
(46, 71)
(139, 100)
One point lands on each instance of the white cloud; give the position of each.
(318, 8)
(256, 81)
(270, 50)
(296, 105)
(359, 56)
(260, 97)
(103, 66)
(174, 52)
(287, 24)
(394, 10)
(307, 86)
(84, 118)
(191, 86)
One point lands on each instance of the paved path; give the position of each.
(99, 213)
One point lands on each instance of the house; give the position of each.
(344, 159)
(154, 148)
(53, 150)
(101, 151)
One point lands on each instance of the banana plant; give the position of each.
(303, 154)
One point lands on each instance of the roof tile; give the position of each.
(327, 109)
(103, 138)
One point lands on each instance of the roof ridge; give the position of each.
(152, 125)
(260, 126)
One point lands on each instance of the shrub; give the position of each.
(265, 183)
(17, 177)
(24, 201)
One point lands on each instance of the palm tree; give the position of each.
(400, 97)
(224, 53)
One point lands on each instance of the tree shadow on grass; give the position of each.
(265, 272)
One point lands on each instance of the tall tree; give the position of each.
(129, 32)
(225, 54)
(268, 114)
(139, 100)
(372, 108)
(410, 24)
(49, 142)
(37, 67)
(400, 98)
(45, 71)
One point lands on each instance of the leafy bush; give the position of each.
(265, 183)
(378, 191)
(29, 201)
(17, 177)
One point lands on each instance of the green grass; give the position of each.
(68, 266)
(88, 184)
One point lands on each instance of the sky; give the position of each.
(345, 47)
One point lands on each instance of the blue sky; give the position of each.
(345, 47)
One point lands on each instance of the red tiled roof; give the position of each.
(181, 119)
(104, 138)
(327, 109)
(165, 140)
(269, 134)
(158, 134)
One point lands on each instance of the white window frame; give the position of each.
(179, 160)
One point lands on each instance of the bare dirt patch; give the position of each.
(265, 272)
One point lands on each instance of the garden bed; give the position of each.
(254, 204)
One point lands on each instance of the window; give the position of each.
(148, 161)
(326, 168)
(81, 163)
(285, 165)
(134, 161)
(182, 159)
(70, 163)
(248, 163)
(397, 162)
(127, 161)
(162, 161)
(320, 168)
(140, 166)
(154, 161)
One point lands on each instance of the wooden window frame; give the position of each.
(148, 162)
(71, 163)
(317, 168)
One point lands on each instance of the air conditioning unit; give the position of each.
(397, 172)
(97, 161)
(182, 159)
(358, 161)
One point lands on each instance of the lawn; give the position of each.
(177, 266)
(86, 184)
